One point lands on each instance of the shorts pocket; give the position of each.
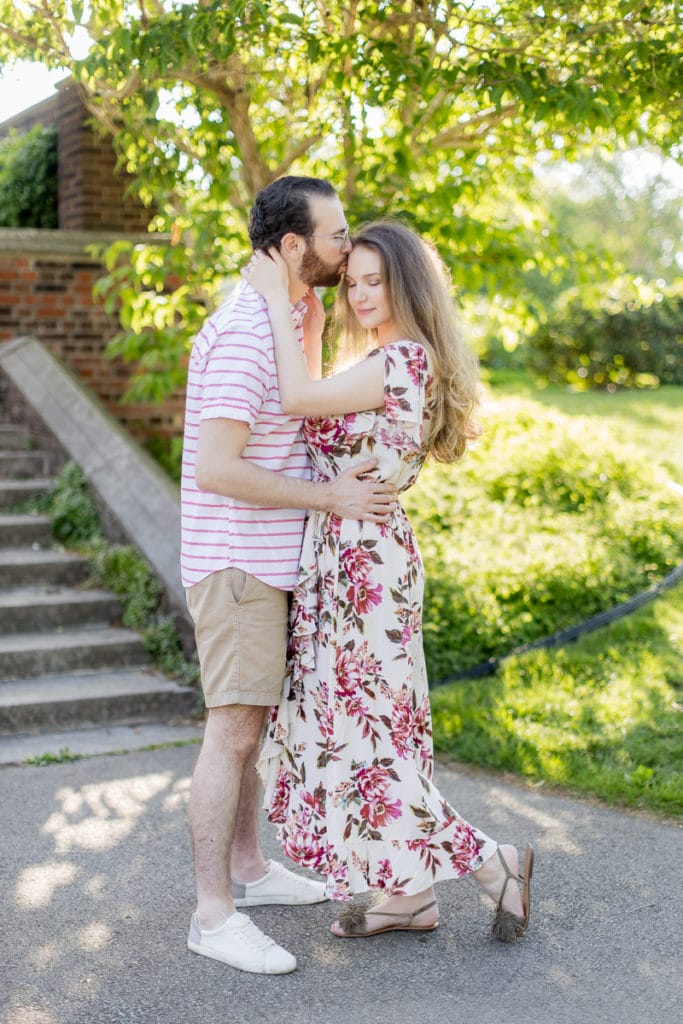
(238, 584)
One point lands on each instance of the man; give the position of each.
(245, 487)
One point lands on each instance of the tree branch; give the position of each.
(459, 137)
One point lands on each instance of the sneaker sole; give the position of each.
(203, 951)
(280, 901)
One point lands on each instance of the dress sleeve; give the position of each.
(406, 381)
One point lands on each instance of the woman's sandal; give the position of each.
(353, 921)
(508, 926)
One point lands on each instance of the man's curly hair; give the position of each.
(283, 206)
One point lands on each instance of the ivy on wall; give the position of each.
(28, 179)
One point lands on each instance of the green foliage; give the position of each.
(123, 570)
(434, 112)
(162, 643)
(74, 516)
(622, 335)
(168, 452)
(612, 207)
(542, 525)
(28, 179)
(120, 568)
(602, 716)
(64, 756)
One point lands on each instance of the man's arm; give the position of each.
(222, 470)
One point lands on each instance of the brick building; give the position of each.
(46, 277)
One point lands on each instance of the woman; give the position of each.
(347, 761)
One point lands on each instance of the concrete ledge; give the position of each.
(133, 487)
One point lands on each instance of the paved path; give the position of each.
(96, 896)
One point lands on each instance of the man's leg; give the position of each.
(218, 807)
(247, 862)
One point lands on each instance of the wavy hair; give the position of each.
(283, 206)
(418, 287)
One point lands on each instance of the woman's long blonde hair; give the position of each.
(418, 287)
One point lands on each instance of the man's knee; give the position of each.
(235, 729)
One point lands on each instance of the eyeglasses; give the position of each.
(339, 237)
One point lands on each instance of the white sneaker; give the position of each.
(239, 943)
(280, 886)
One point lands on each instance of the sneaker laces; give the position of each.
(258, 940)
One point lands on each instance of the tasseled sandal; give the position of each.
(507, 927)
(353, 921)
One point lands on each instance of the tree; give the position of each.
(606, 207)
(433, 111)
(28, 179)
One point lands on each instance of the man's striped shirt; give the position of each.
(232, 375)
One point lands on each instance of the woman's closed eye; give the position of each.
(375, 283)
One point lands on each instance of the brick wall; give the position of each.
(46, 285)
(46, 277)
(93, 194)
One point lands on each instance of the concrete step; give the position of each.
(20, 530)
(13, 437)
(52, 607)
(27, 655)
(25, 566)
(74, 699)
(68, 744)
(22, 465)
(14, 493)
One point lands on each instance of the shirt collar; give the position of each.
(297, 309)
(299, 312)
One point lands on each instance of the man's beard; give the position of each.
(315, 273)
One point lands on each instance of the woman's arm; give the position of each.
(355, 390)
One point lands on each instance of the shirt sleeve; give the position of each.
(237, 378)
(406, 381)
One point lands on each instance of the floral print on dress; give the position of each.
(348, 761)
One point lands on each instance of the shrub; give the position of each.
(117, 567)
(168, 452)
(74, 515)
(543, 525)
(120, 568)
(28, 179)
(625, 335)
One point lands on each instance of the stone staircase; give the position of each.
(72, 679)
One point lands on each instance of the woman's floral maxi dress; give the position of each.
(347, 761)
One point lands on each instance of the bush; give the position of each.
(622, 336)
(543, 525)
(120, 568)
(28, 179)
(74, 515)
(117, 567)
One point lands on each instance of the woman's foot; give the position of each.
(418, 913)
(500, 879)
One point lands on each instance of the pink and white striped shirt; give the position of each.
(232, 375)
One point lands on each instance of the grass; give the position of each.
(649, 421)
(601, 717)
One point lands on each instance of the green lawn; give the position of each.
(649, 420)
(522, 541)
(603, 716)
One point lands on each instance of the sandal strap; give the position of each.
(388, 913)
(509, 877)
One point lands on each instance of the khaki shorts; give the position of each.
(241, 633)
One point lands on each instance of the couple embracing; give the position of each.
(305, 585)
